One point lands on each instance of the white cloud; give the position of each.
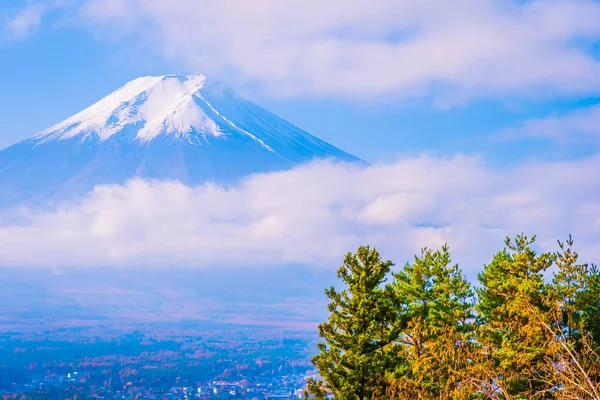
(366, 49)
(314, 214)
(578, 126)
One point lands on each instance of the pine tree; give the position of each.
(568, 297)
(512, 291)
(589, 301)
(436, 315)
(356, 355)
(574, 304)
(576, 289)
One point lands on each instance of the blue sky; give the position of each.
(65, 55)
(481, 119)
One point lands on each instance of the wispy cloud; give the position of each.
(356, 49)
(25, 21)
(19, 22)
(314, 214)
(577, 126)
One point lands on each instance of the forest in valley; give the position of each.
(529, 328)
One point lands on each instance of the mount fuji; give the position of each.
(185, 128)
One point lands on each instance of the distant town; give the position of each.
(212, 364)
(73, 386)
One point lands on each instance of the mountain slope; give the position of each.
(169, 127)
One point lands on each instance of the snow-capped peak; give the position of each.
(155, 105)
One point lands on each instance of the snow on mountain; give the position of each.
(162, 104)
(187, 128)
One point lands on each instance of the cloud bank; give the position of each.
(451, 51)
(314, 214)
(358, 49)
